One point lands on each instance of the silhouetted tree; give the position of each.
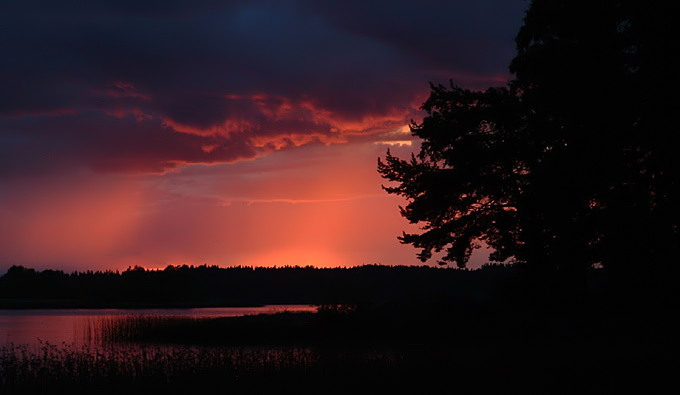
(572, 164)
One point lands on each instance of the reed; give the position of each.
(61, 368)
(267, 329)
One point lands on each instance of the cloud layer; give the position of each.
(145, 86)
(109, 111)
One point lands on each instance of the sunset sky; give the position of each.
(222, 132)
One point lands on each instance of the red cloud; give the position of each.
(274, 122)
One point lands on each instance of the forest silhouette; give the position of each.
(196, 286)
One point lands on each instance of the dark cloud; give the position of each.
(107, 143)
(144, 86)
(471, 37)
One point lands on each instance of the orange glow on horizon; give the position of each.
(313, 206)
(297, 257)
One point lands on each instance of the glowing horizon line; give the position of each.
(229, 202)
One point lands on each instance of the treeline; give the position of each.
(240, 286)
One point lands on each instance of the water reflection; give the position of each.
(77, 326)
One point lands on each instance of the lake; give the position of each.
(32, 326)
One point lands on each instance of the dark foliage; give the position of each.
(187, 286)
(574, 163)
(472, 368)
(501, 345)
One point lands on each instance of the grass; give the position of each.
(128, 369)
(52, 368)
(578, 348)
(268, 329)
(472, 367)
(500, 362)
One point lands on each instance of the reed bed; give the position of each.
(241, 355)
(138, 368)
(139, 327)
(48, 368)
(162, 369)
(260, 329)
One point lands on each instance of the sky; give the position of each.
(223, 132)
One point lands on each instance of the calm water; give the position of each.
(73, 325)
